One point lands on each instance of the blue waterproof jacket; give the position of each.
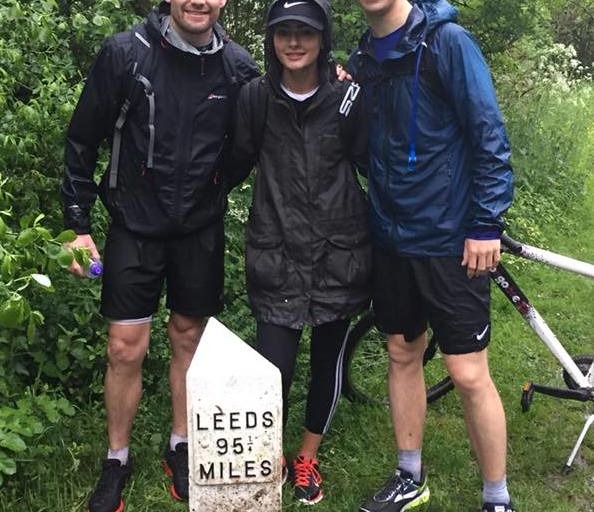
(439, 170)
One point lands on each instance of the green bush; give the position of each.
(548, 99)
(28, 254)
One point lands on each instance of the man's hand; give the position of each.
(342, 74)
(82, 241)
(480, 256)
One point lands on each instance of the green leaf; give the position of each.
(43, 233)
(82, 255)
(7, 464)
(53, 251)
(31, 329)
(42, 280)
(66, 236)
(3, 227)
(64, 258)
(12, 441)
(38, 219)
(12, 313)
(99, 20)
(7, 267)
(26, 237)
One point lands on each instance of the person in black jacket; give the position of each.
(163, 95)
(308, 258)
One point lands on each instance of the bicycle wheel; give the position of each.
(583, 362)
(365, 371)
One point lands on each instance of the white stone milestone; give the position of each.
(234, 426)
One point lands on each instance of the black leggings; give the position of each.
(280, 346)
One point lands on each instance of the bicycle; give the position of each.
(366, 349)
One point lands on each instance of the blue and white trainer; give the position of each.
(400, 493)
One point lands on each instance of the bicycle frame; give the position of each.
(502, 278)
(515, 295)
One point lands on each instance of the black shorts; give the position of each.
(411, 292)
(136, 267)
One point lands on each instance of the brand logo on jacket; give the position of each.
(213, 96)
(349, 98)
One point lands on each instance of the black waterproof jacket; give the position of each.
(308, 256)
(181, 188)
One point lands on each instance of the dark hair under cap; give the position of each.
(304, 11)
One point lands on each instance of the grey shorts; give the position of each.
(410, 293)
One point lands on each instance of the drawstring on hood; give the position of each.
(424, 18)
(412, 130)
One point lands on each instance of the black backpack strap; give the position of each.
(428, 70)
(230, 57)
(141, 49)
(258, 98)
(116, 144)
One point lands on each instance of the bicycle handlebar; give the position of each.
(511, 245)
(536, 254)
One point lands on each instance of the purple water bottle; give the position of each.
(95, 269)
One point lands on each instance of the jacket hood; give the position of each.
(436, 12)
(272, 64)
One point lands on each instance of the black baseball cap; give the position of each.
(305, 11)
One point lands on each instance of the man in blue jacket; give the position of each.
(439, 182)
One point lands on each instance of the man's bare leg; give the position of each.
(408, 403)
(126, 349)
(184, 334)
(483, 410)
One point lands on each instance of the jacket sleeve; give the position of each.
(466, 77)
(91, 124)
(353, 126)
(246, 136)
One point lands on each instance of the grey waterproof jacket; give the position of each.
(308, 256)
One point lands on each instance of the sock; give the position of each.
(410, 460)
(175, 439)
(495, 492)
(120, 454)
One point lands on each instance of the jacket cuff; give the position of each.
(485, 233)
(75, 220)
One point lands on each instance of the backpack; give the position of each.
(428, 70)
(142, 51)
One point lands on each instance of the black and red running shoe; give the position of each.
(175, 463)
(107, 496)
(307, 480)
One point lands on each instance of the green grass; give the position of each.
(359, 452)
